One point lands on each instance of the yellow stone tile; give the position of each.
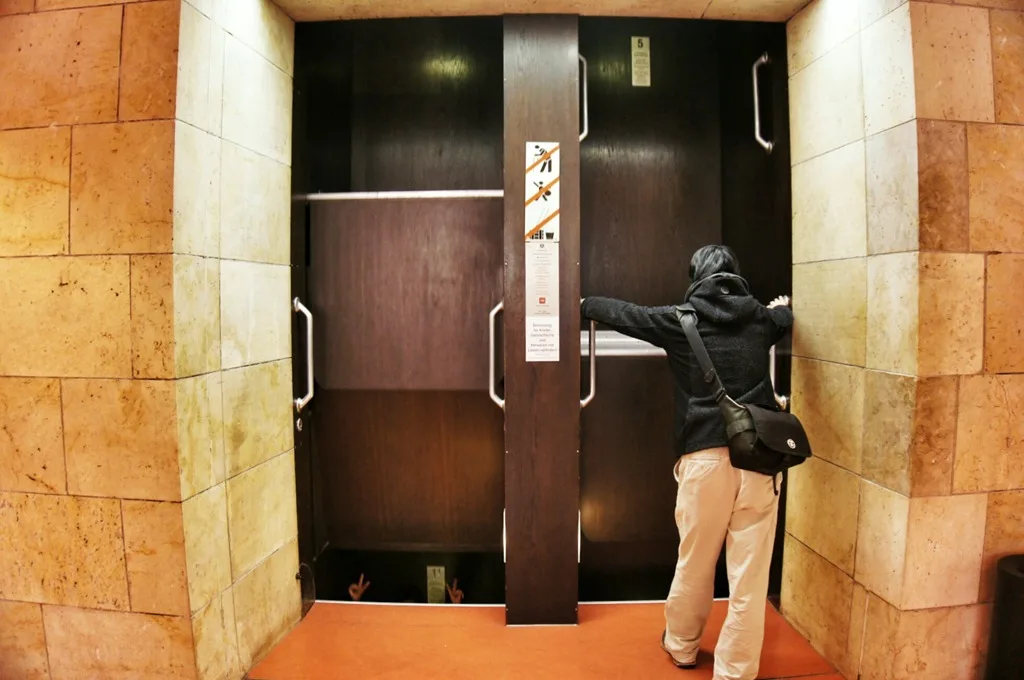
(59, 68)
(200, 70)
(817, 29)
(829, 400)
(207, 552)
(154, 545)
(942, 185)
(1008, 62)
(31, 436)
(257, 414)
(261, 512)
(121, 439)
(952, 62)
(821, 510)
(255, 313)
(934, 446)
(882, 541)
(888, 62)
(65, 316)
(152, 291)
(990, 427)
(830, 301)
(829, 219)
(200, 433)
(149, 60)
(256, 213)
(1004, 535)
(892, 190)
(892, 326)
(268, 604)
(873, 10)
(197, 315)
(890, 401)
(264, 27)
(62, 550)
(197, 187)
(996, 161)
(122, 178)
(22, 642)
(951, 323)
(213, 630)
(1004, 314)
(118, 645)
(35, 167)
(257, 103)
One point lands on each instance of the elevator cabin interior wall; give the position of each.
(405, 463)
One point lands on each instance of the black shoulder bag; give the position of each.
(760, 440)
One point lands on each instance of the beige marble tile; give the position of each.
(830, 300)
(1008, 63)
(207, 551)
(122, 178)
(62, 550)
(892, 190)
(931, 459)
(1004, 535)
(200, 433)
(118, 645)
(257, 110)
(152, 300)
(149, 60)
(817, 599)
(256, 207)
(990, 432)
(829, 220)
(945, 541)
(821, 510)
(200, 70)
(873, 10)
(31, 436)
(882, 541)
(60, 68)
(120, 439)
(952, 62)
(888, 63)
(889, 406)
(22, 642)
(818, 28)
(829, 400)
(849, 665)
(196, 315)
(257, 414)
(267, 604)
(50, 5)
(255, 313)
(952, 322)
(942, 185)
(996, 162)
(35, 167)
(892, 326)
(1004, 314)
(261, 512)
(213, 630)
(775, 11)
(197, 187)
(154, 546)
(264, 27)
(944, 644)
(65, 316)
(826, 103)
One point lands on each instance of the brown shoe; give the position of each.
(679, 664)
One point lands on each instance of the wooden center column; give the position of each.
(542, 411)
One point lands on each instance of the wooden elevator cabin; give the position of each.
(430, 439)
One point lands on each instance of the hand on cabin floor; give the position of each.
(453, 592)
(781, 301)
(356, 590)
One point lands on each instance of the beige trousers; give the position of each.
(716, 503)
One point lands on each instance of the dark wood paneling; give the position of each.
(650, 180)
(411, 470)
(401, 290)
(542, 407)
(427, 104)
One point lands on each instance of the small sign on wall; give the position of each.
(641, 59)
(541, 257)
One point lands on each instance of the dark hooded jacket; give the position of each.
(738, 332)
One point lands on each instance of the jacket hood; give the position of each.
(723, 299)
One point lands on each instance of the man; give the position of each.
(715, 502)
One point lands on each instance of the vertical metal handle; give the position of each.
(782, 401)
(757, 106)
(490, 356)
(592, 358)
(586, 108)
(302, 401)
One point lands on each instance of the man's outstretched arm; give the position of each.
(650, 324)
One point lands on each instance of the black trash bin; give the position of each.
(1006, 641)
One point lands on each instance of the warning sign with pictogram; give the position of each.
(542, 205)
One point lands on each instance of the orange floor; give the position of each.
(342, 641)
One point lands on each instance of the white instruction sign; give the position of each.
(641, 58)
(541, 301)
(542, 195)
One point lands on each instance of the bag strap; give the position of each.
(687, 317)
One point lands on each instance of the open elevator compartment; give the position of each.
(397, 252)
(668, 166)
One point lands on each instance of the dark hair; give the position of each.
(711, 260)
